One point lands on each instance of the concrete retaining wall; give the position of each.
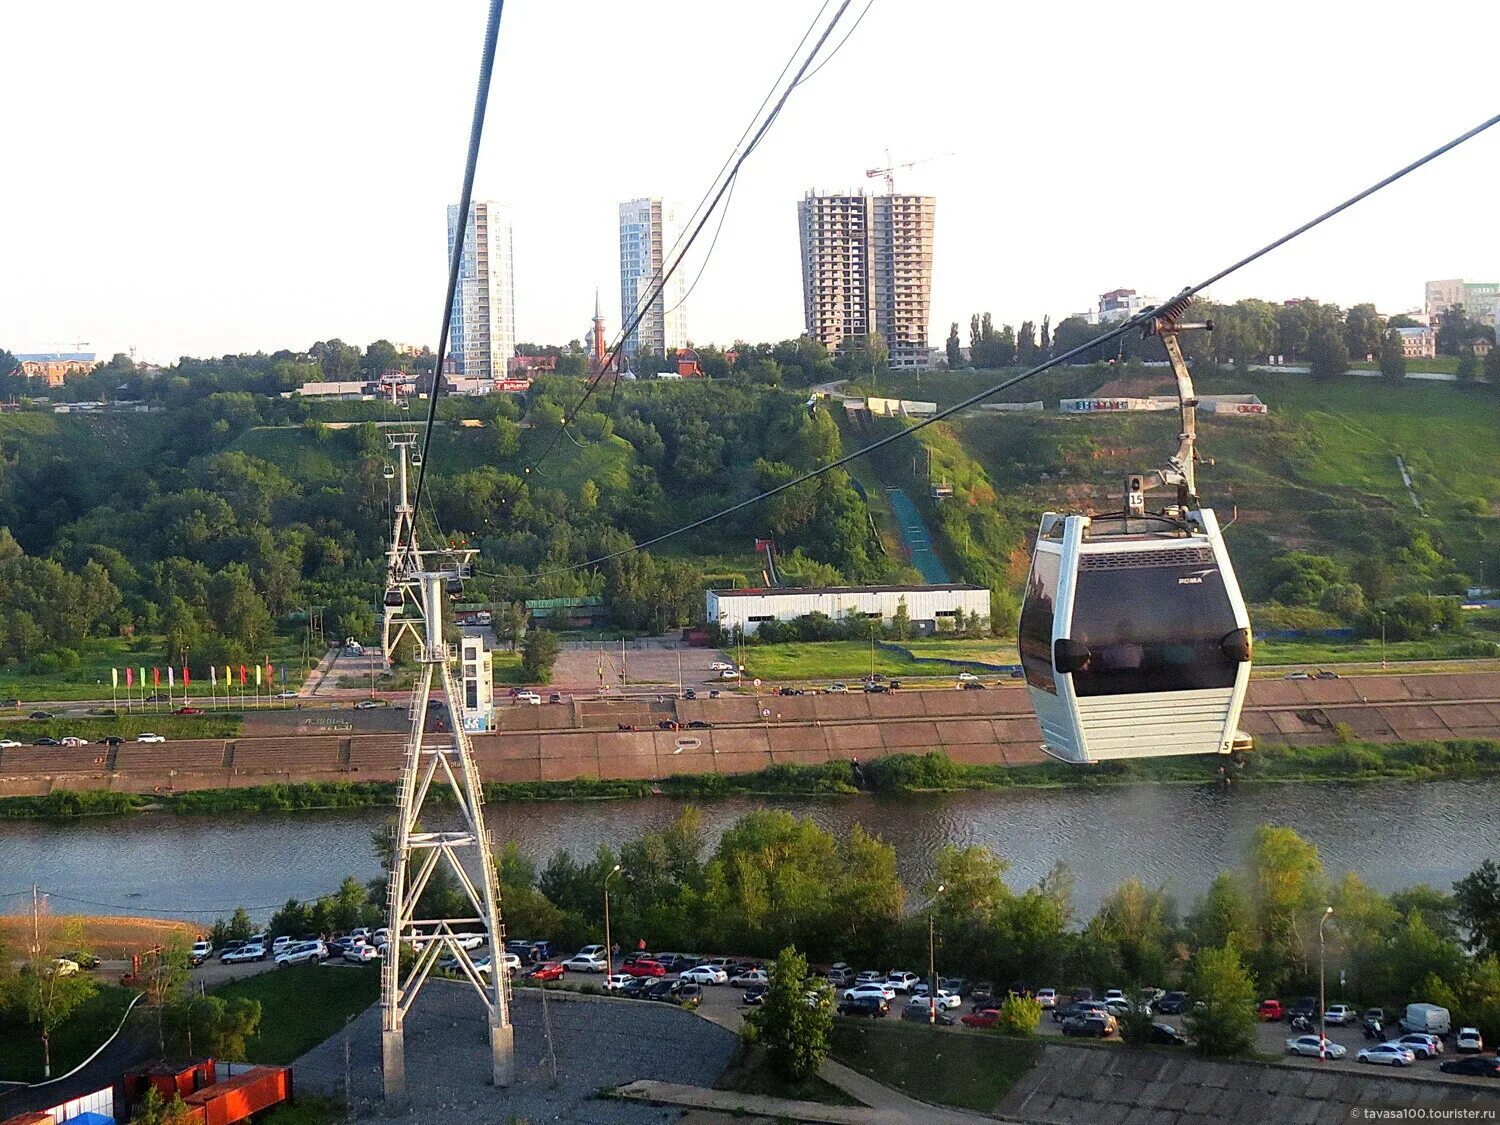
(1078, 1084)
(584, 739)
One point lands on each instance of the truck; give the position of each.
(1430, 1019)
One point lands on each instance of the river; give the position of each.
(1392, 834)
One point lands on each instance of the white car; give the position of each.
(946, 1001)
(302, 953)
(1421, 1044)
(72, 741)
(1387, 1054)
(202, 950)
(878, 988)
(9, 744)
(243, 953)
(1308, 1047)
(62, 967)
(469, 941)
(617, 982)
(721, 666)
(595, 950)
(967, 678)
(1469, 1040)
(1047, 997)
(361, 954)
(749, 977)
(869, 976)
(529, 697)
(705, 974)
(512, 963)
(903, 982)
(585, 963)
(147, 736)
(1113, 994)
(369, 704)
(286, 695)
(1122, 1008)
(281, 943)
(1338, 1015)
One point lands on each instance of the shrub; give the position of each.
(1019, 1015)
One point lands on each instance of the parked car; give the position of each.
(1113, 994)
(247, 952)
(1047, 998)
(747, 977)
(882, 989)
(281, 942)
(202, 950)
(188, 711)
(61, 967)
(866, 976)
(1309, 1047)
(1080, 1008)
(301, 953)
(1167, 1035)
(985, 1017)
(147, 736)
(705, 974)
(370, 704)
(362, 954)
(699, 724)
(73, 740)
(903, 982)
(1469, 1041)
(945, 1001)
(869, 1007)
(1096, 1025)
(1478, 1066)
(1386, 1054)
(1306, 1006)
(967, 678)
(9, 744)
(840, 975)
(46, 742)
(1431, 1018)
(754, 995)
(720, 666)
(1422, 1045)
(585, 963)
(1268, 1010)
(82, 960)
(972, 685)
(530, 698)
(838, 687)
(1172, 1004)
(40, 715)
(642, 967)
(1338, 1015)
(545, 971)
(617, 982)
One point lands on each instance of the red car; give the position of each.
(1270, 1010)
(643, 967)
(188, 711)
(985, 1018)
(547, 970)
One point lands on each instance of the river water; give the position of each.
(1392, 834)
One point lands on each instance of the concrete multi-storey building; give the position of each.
(1480, 299)
(1118, 305)
(867, 269)
(54, 367)
(649, 230)
(484, 304)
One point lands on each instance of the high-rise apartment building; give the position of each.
(867, 268)
(484, 304)
(1480, 300)
(649, 229)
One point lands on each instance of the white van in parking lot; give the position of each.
(1430, 1018)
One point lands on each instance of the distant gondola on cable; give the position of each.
(1134, 637)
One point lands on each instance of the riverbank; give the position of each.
(893, 775)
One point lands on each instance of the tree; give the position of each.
(901, 621)
(1225, 1022)
(1476, 899)
(1019, 1015)
(1026, 346)
(1327, 352)
(211, 1025)
(955, 351)
(52, 996)
(538, 654)
(794, 1032)
(156, 1110)
(1392, 356)
(1468, 367)
(1364, 329)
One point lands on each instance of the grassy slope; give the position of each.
(936, 1065)
(303, 1005)
(750, 1073)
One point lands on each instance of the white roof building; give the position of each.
(925, 605)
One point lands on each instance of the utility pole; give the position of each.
(609, 949)
(932, 988)
(1322, 997)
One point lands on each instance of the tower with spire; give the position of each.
(597, 361)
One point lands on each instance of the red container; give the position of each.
(169, 1079)
(235, 1099)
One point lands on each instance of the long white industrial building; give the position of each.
(925, 605)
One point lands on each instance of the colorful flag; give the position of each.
(143, 676)
(213, 675)
(228, 676)
(129, 676)
(114, 677)
(257, 675)
(244, 672)
(156, 677)
(186, 679)
(171, 676)
(270, 673)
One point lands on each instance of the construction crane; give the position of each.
(889, 172)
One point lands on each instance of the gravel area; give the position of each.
(598, 1044)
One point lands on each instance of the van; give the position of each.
(1429, 1018)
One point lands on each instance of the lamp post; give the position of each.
(1322, 999)
(932, 988)
(609, 957)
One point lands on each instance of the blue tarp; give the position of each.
(91, 1119)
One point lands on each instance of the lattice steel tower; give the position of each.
(417, 581)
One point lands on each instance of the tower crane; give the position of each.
(889, 172)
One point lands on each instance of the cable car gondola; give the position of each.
(389, 472)
(1134, 638)
(393, 597)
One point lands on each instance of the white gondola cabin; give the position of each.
(1134, 638)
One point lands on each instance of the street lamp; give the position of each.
(932, 989)
(1322, 999)
(609, 958)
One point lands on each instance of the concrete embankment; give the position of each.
(623, 739)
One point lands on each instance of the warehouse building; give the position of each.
(925, 605)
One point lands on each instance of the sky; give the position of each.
(199, 179)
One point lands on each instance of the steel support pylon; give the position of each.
(441, 758)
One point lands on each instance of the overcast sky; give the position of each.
(192, 178)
